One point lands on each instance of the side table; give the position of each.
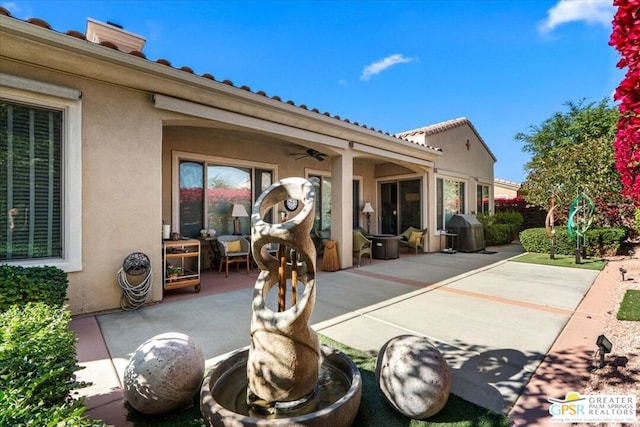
(212, 250)
(385, 246)
(449, 249)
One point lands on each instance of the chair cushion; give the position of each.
(415, 237)
(233, 246)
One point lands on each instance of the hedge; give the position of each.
(37, 365)
(599, 241)
(500, 228)
(20, 285)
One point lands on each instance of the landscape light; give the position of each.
(604, 347)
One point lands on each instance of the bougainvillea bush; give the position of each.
(625, 37)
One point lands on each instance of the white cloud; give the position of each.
(590, 11)
(381, 65)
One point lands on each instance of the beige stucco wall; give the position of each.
(474, 162)
(121, 189)
(502, 191)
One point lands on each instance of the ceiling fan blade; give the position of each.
(310, 152)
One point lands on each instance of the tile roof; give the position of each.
(403, 135)
(505, 182)
(443, 126)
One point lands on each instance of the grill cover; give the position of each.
(469, 231)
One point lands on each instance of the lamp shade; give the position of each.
(367, 208)
(238, 211)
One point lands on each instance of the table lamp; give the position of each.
(236, 212)
(368, 210)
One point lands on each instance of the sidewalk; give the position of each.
(494, 321)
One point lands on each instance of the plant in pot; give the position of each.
(173, 272)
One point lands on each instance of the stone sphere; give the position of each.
(164, 374)
(413, 376)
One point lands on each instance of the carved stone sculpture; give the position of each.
(284, 355)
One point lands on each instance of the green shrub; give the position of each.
(500, 228)
(599, 241)
(605, 241)
(20, 285)
(502, 234)
(37, 368)
(509, 217)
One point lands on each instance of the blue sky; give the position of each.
(391, 65)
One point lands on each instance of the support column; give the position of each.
(341, 206)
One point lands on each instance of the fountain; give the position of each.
(285, 377)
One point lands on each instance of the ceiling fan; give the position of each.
(310, 153)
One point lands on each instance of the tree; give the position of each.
(625, 37)
(572, 152)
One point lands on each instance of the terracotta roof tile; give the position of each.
(39, 23)
(138, 54)
(437, 127)
(443, 126)
(76, 34)
(141, 55)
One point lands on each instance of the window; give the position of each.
(322, 187)
(482, 198)
(40, 175)
(449, 200)
(208, 206)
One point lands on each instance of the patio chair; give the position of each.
(361, 246)
(233, 250)
(412, 237)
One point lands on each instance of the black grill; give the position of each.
(469, 231)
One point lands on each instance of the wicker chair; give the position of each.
(233, 253)
(412, 238)
(361, 246)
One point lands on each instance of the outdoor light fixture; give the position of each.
(604, 347)
(236, 212)
(368, 210)
(623, 271)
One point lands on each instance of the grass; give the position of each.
(374, 410)
(630, 306)
(562, 261)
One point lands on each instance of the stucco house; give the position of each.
(503, 189)
(100, 146)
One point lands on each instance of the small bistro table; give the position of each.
(385, 246)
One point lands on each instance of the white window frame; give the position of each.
(458, 179)
(45, 95)
(483, 184)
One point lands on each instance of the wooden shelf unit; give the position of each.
(186, 255)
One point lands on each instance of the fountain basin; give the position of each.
(223, 394)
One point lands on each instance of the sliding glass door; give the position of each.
(400, 205)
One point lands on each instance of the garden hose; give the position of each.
(134, 295)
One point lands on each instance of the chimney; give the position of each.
(98, 32)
